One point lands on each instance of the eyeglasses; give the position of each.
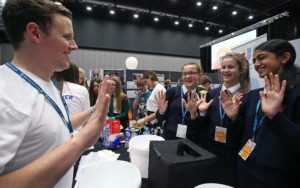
(185, 74)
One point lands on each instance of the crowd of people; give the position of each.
(254, 133)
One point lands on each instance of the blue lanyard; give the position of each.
(47, 97)
(183, 110)
(255, 124)
(222, 114)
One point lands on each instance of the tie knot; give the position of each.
(187, 94)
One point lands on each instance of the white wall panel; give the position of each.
(98, 59)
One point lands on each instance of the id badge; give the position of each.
(247, 149)
(220, 134)
(181, 131)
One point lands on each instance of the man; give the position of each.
(36, 147)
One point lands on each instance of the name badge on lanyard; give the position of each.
(181, 131)
(221, 131)
(250, 145)
(220, 134)
(247, 149)
(182, 128)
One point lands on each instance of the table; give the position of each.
(124, 155)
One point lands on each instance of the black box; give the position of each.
(179, 164)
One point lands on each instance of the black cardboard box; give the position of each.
(179, 164)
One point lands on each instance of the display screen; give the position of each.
(221, 48)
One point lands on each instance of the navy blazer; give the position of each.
(275, 161)
(226, 166)
(227, 151)
(173, 116)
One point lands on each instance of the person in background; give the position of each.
(179, 82)
(37, 149)
(167, 84)
(150, 120)
(93, 90)
(123, 84)
(205, 83)
(220, 136)
(142, 96)
(75, 95)
(82, 78)
(172, 108)
(269, 156)
(119, 103)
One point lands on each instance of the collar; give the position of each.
(232, 89)
(184, 89)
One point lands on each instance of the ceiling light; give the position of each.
(220, 31)
(234, 12)
(176, 22)
(112, 12)
(156, 19)
(190, 25)
(206, 28)
(215, 7)
(250, 17)
(135, 15)
(198, 3)
(89, 8)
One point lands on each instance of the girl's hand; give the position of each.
(161, 102)
(231, 104)
(203, 107)
(271, 100)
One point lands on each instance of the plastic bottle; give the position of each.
(146, 131)
(127, 137)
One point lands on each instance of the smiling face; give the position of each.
(59, 43)
(266, 62)
(230, 72)
(190, 76)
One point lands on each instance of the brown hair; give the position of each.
(119, 95)
(93, 96)
(205, 79)
(17, 14)
(68, 75)
(198, 66)
(141, 82)
(151, 75)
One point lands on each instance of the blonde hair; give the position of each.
(118, 92)
(243, 65)
(198, 66)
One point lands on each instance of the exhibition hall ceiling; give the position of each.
(211, 17)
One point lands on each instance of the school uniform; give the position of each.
(221, 137)
(176, 114)
(275, 159)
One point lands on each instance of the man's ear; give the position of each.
(286, 57)
(33, 32)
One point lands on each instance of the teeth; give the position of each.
(260, 69)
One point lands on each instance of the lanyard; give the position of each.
(222, 114)
(255, 124)
(47, 97)
(183, 110)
